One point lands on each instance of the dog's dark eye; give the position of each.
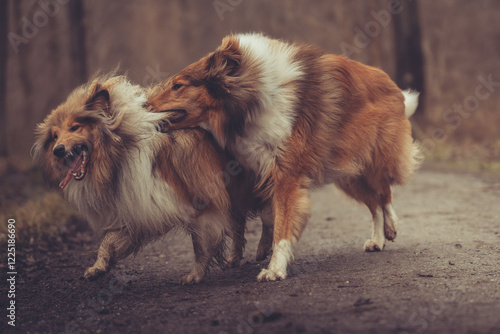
(176, 86)
(74, 128)
(54, 137)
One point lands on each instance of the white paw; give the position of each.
(282, 255)
(93, 273)
(271, 275)
(373, 246)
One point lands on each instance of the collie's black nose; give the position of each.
(60, 151)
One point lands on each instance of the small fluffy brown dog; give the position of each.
(299, 118)
(105, 152)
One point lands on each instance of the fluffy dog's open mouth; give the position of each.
(77, 160)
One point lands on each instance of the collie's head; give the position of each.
(216, 92)
(82, 138)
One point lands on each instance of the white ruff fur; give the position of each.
(268, 128)
(143, 202)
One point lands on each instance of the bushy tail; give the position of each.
(414, 156)
(411, 101)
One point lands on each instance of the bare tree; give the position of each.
(77, 31)
(3, 76)
(409, 56)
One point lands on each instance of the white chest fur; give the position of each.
(269, 128)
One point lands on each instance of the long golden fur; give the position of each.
(105, 152)
(299, 118)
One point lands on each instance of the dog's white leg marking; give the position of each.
(390, 222)
(376, 243)
(282, 256)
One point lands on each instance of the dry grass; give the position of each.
(38, 221)
(41, 214)
(465, 157)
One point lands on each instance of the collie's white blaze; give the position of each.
(143, 202)
(376, 243)
(268, 128)
(411, 102)
(282, 256)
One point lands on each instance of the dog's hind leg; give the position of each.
(377, 241)
(202, 259)
(359, 189)
(207, 234)
(386, 228)
(238, 242)
(115, 245)
(266, 239)
(390, 218)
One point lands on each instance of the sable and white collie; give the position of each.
(132, 182)
(299, 118)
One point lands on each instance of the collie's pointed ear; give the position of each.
(225, 60)
(99, 99)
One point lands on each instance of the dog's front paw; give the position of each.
(93, 273)
(191, 278)
(373, 246)
(271, 275)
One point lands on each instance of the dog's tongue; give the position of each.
(66, 179)
(72, 169)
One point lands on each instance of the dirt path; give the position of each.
(442, 275)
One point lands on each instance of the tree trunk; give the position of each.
(3, 76)
(77, 31)
(409, 56)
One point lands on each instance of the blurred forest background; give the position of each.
(449, 50)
